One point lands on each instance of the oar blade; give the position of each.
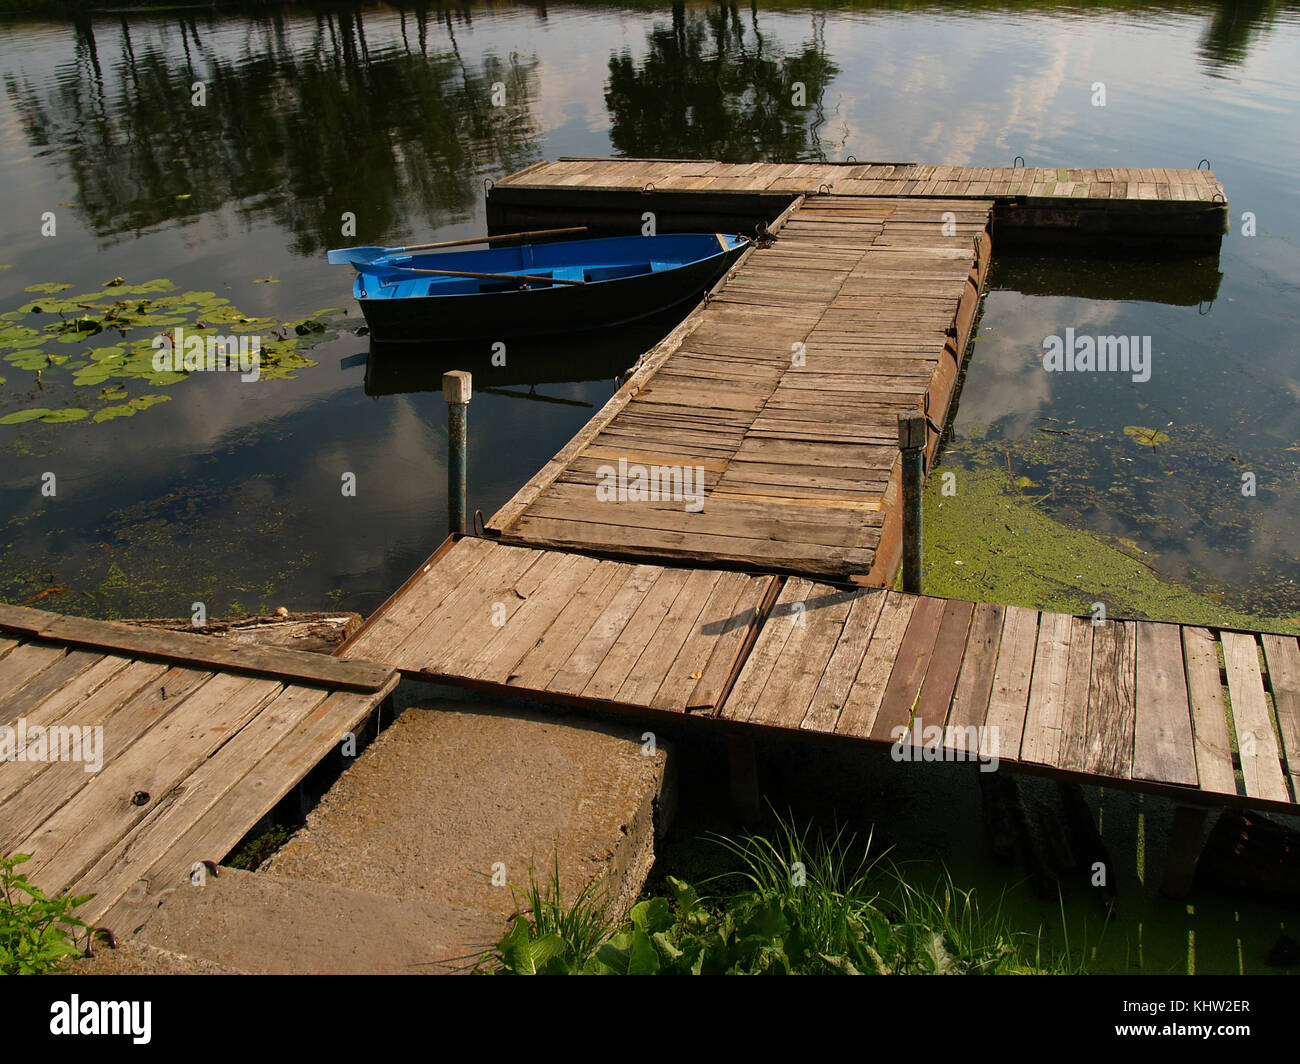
(356, 256)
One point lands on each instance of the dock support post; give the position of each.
(911, 441)
(1185, 840)
(456, 391)
(742, 768)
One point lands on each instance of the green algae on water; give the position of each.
(989, 543)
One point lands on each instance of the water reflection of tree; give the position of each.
(301, 123)
(712, 85)
(1232, 29)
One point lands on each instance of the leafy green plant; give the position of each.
(550, 936)
(796, 902)
(36, 934)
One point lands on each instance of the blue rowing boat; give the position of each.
(535, 289)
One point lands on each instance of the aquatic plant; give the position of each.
(106, 341)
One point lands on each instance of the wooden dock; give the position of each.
(783, 391)
(1131, 703)
(1106, 208)
(756, 602)
(570, 627)
(198, 740)
(765, 610)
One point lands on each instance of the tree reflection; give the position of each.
(712, 85)
(301, 122)
(1232, 29)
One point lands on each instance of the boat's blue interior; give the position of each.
(591, 261)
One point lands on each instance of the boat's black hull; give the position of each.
(539, 311)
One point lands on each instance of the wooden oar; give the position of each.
(480, 276)
(347, 256)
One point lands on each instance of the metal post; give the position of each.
(911, 441)
(456, 390)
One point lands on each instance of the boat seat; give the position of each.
(567, 273)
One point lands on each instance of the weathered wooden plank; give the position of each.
(24, 662)
(197, 651)
(1112, 705)
(729, 648)
(828, 700)
(1012, 679)
(910, 665)
(46, 788)
(664, 647)
(401, 615)
(1163, 749)
(934, 700)
(1282, 652)
(1209, 717)
(1257, 746)
(863, 704)
(970, 700)
(718, 615)
(1072, 748)
(497, 659)
(1041, 740)
(61, 671)
(581, 664)
(539, 665)
(803, 664)
(778, 629)
(471, 602)
(229, 792)
(104, 810)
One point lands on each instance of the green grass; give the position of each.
(791, 901)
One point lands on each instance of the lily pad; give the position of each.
(19, 416)
(72, 413)
(110, 412)
(47, 287)
(1146, 437)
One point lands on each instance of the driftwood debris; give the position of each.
(319, 632)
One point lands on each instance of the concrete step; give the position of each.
(134, 957)
(457, 789)
(276, 925)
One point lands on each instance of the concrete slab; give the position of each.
(456, 790)
(139, 958)
(274, 925)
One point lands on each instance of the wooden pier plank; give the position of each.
(1043, 716)
(231, 791)
(862, 706)
(157, 717)
(974, 690)
(818, 288)
(1257, 746)
(1071, 752)
(908, 672)
(1112, 705)
(1209, 715)
(48, 787)
(805, 659)
(1282, 653)
(102, 811)
(1012, 680)
(110, 636)
(40, 686)
(934, 700)
(827, 703)
(1163, 748)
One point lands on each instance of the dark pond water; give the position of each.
(230, 493)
